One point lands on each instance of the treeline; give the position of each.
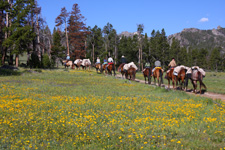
(24, 32)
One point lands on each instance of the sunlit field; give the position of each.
(214, 81)
(60, 109)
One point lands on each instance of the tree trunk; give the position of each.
(67, 41)
(139, 58)
(38, 38)
(17, 60)
(115, 52)
(93, 52)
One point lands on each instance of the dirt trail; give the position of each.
(214, 96)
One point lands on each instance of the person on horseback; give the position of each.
(110, 61)
(123, 60)
(157, 64)
(67, 59)
(172, 63)
(98, 61)
(147, 65)
(105, 61)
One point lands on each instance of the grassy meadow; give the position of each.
(60, 109)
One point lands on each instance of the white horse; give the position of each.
(86, 63)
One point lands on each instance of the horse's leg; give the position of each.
(200, 85)
(168, 82)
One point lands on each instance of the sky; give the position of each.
(171, 15)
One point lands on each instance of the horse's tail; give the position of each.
(161, 75)
(200, 78)
(134, 73)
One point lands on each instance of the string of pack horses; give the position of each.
(179, 75)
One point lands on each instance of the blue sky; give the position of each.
(124, 15)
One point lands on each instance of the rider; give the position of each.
(172, 64)
(110, 61)
(67, 58)
(123, 60)
(98, 61)
(147, 65)
(157, 64)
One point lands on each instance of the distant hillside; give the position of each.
(195, 38)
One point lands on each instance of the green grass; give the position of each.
(60, 109)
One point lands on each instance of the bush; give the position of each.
(34, 61)
(46, 61)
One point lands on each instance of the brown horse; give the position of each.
(170, 76)
(181, 78)
(104, 68)
(158, 73)
(110, 68)
(98, 67)
(195, 77)
(131, 72)
(147, 74)
(120, 69)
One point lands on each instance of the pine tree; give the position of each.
(140, 30)
(77, 32)
(57, 48)
(21, 33)
(107, 31)
(95, 41)
(62, 18)
(215, 59)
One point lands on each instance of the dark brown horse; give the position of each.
(171, 76)
(158, 73)
(120, 69)
(110, 68)
(181, 78)
(147, 74)
(131, 73)
(195, 77)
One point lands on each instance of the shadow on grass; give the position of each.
(9, 71)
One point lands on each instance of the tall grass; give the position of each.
(84, 110)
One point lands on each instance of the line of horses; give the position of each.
(180, 79)
(129, 71)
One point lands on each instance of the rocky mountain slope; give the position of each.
(196, 38)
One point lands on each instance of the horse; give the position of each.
(181, 78)
(67, 63)
(147, 74)
(78, 63)
(86, 63)
(104, 68)
(131, 72)
(120, 69)
(196, 76)
(170, 76)
(98, 67)
(110, 68)
(158, 73)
